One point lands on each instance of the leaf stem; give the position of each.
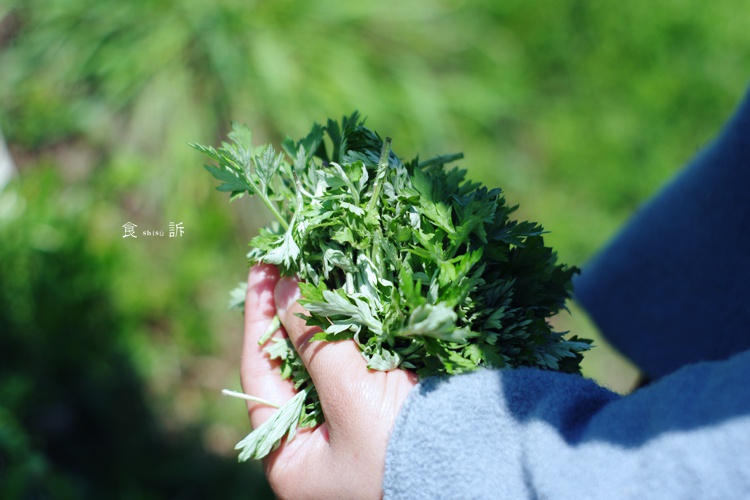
(248, 397)
(272, 327)
(260, 192)
(274, 210)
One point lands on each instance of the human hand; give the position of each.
(345, 456)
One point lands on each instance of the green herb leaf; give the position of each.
(268, 436)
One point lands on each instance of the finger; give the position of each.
(259, 374)
(335, 367)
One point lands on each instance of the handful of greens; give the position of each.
(422, 268)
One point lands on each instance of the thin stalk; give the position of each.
(382, 171)
(272, 327)
(264, 197)
(248, 397)
(275, 212)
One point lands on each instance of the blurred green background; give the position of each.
(113, 350)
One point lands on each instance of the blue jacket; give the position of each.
(671, 293)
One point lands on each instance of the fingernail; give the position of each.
(286, 294)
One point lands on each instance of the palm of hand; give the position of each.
(345, 456)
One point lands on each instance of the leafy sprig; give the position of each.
(422, 268)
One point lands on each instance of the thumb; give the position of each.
(337, 368)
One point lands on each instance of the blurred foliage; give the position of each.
(75, 421)
(579, 110)
(604, 99)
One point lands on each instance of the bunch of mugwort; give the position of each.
(422, 268)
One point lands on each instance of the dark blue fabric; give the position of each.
(674, 286)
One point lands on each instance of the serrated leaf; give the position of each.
(206, 150)
(384, 361)
(279, 348)
(337, 304)
(242, 136)
(231, 180)
(268, 436)
(285, 252)
(267, 166)
(438, 321)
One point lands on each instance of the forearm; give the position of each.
(528, 433)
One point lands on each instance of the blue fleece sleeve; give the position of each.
(672, 287)
(529, 433)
